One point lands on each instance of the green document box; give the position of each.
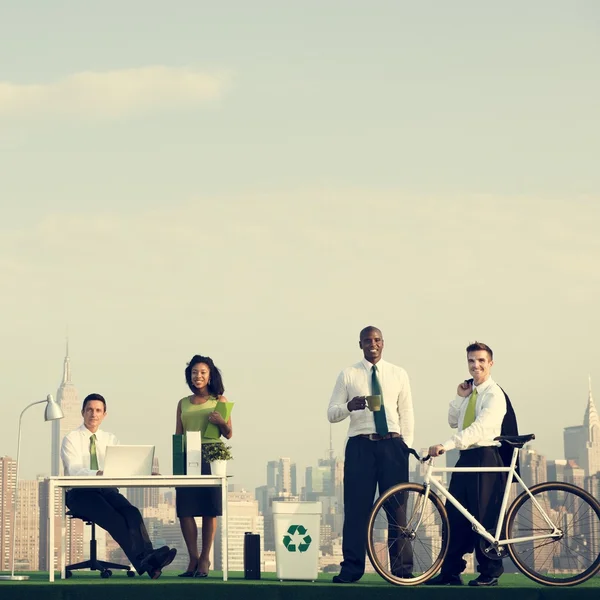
(179, 454)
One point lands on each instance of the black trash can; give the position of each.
(251, 555)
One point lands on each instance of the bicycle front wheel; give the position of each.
(408, 535)
(567, 559)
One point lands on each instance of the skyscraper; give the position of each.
(145, 497)
(582, 442)
(272, 470)
(284, 480)
(28, 527)
(533, 467)
(68, 400)
(8, 477)
(242, 517)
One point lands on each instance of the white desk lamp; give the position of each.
(53, 412)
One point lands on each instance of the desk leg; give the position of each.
(225, 536)
(50, 555)
(63, 534)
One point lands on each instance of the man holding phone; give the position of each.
(376, 455)
(477, 412)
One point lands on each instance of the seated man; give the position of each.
(82, 453)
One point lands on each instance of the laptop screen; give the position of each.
(128, 461)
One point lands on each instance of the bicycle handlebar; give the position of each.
(423, 459)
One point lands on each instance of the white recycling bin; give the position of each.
(297, 539)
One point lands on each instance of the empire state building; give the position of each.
(68, 400)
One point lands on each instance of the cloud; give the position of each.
(113, 94)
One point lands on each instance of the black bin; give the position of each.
(251, 555)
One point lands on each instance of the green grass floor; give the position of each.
(85, 585)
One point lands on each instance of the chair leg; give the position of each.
(93, 563)
(110, 565)
(86, 564)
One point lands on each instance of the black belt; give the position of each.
(376, 437)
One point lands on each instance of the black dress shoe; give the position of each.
(444, 579)
(152, 560)
(157, 560)
(484, 581)
(342, 579)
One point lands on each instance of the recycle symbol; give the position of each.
(290, 540)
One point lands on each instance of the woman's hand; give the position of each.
(216, 419)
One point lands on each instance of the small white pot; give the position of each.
(218, 467)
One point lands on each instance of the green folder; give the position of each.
(212, 431)
(179, 461)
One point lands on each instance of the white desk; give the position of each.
(129, 482)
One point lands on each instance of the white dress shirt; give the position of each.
(490, 409)
(75, 450)
(395, 388)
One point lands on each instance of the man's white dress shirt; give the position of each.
(75, 450)
(490, 409)
(395, 387)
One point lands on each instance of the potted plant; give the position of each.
(217, 454)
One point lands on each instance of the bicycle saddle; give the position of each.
(517, 441)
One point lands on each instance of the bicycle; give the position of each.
(551, 531)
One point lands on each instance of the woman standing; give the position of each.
(193, 414)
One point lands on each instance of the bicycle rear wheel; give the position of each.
(408, 536)
(569, 559)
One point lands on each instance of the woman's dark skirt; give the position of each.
(199, 501)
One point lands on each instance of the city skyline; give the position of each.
(68, 398)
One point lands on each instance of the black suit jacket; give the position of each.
(509, 427)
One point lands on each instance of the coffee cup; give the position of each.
(374, 403)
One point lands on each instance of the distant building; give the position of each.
(556, 470)
(145, 497)
(286, 484)
(574, 474)
(582, 442)
(8, 477)
(242, 517)
(281, 485)
(77, 533)
(533, 467)
(68, 399)
(77, 536)
(272, 471)
(27, 539)
(263, 495)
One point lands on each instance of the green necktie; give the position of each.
(379, 415)
(93, 455)
(470, 412)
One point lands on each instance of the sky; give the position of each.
(257, 181)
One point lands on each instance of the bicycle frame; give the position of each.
(430, 482)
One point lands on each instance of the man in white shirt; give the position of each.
(82, 453)
(477, 412)
(376, 451)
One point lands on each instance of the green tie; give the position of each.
(470, 412)
(379, 415)
(93, 455)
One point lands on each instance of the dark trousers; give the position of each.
(113, 512)
(481, 494)
(370, 465)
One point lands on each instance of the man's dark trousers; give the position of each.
(481, 494)
(369, 465)
(113, 512)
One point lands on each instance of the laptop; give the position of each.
(128, 461)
